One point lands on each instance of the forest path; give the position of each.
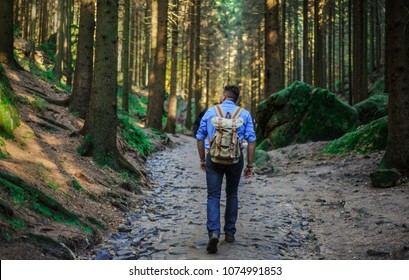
(172, 222)
(312, 206)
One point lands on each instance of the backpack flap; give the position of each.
(225, 146)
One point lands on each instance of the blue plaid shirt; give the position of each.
(206, 129)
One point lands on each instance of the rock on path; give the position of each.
(172, 222)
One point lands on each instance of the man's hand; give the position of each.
(248, 172)
(203, 165)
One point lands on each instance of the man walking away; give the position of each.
(225, 126)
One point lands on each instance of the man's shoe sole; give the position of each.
(212, 245)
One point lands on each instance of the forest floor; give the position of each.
(42, 152)
(313, 206)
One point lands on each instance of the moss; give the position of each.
(43, 204)
(372, 108)
(265, 145)
(133, 135)
(96, 223)
(48, 75)
(366, 139)
(85, 148)
(327, 118)
(76, 185)
(53, 185)
(300, 113)
(378, 87)
(9, 116)
(261, 158)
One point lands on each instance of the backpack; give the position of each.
(225, 145)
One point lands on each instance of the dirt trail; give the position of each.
(311, 207)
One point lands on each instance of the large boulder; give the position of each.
(301, 113)
(372, 108)
(364, 140)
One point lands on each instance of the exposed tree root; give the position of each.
(54, 122)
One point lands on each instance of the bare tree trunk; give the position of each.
(307, 71)
(198, 94)
(69, 43)
(191, 65)
(172, 106)
(319, 45)
(273, 71)
(157, 96)
(360, 58)
(33, 30)
(101, 122)
(81, 92)
(125, 58)
(6, 33)
(397, 73)
(58, 67)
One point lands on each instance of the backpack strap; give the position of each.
(219, 110)
(237, 112)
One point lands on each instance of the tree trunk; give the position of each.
(157, 95)
(397, 73)
(145, 58)
(172, 106)
(58, 67)
(33, 30)
(188, 123)
(273, 71)
(360, 57)
(198, 94)
(69, 43)
(319, 44)
(125, 58)
(44, 28)
(307, 70)
(350, 78)
(81, 91)
(101, 121)
(6, 32)
(342, 49)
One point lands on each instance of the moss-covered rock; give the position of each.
(366, 139)
(9, 116)
(261, 158)
(385, 178)
(300, 113)
(372, 108)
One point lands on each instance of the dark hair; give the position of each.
(232, 92)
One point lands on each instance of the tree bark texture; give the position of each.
(59, 56)
(101, 122)
(307, 70)
(273, 71)
(125, 58)
(6, 32)
(157, 96)
(397, 73)
(360, 56)
(198, 74)
(81, 92)
(319, 44)
(172, 106)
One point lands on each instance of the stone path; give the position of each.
(172, 222)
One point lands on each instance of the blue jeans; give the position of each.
(214, 179)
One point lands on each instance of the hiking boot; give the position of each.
(229, 238)
(212, 245)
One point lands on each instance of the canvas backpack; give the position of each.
(225, 145)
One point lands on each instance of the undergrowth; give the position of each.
(134, 135)
(24, 194)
